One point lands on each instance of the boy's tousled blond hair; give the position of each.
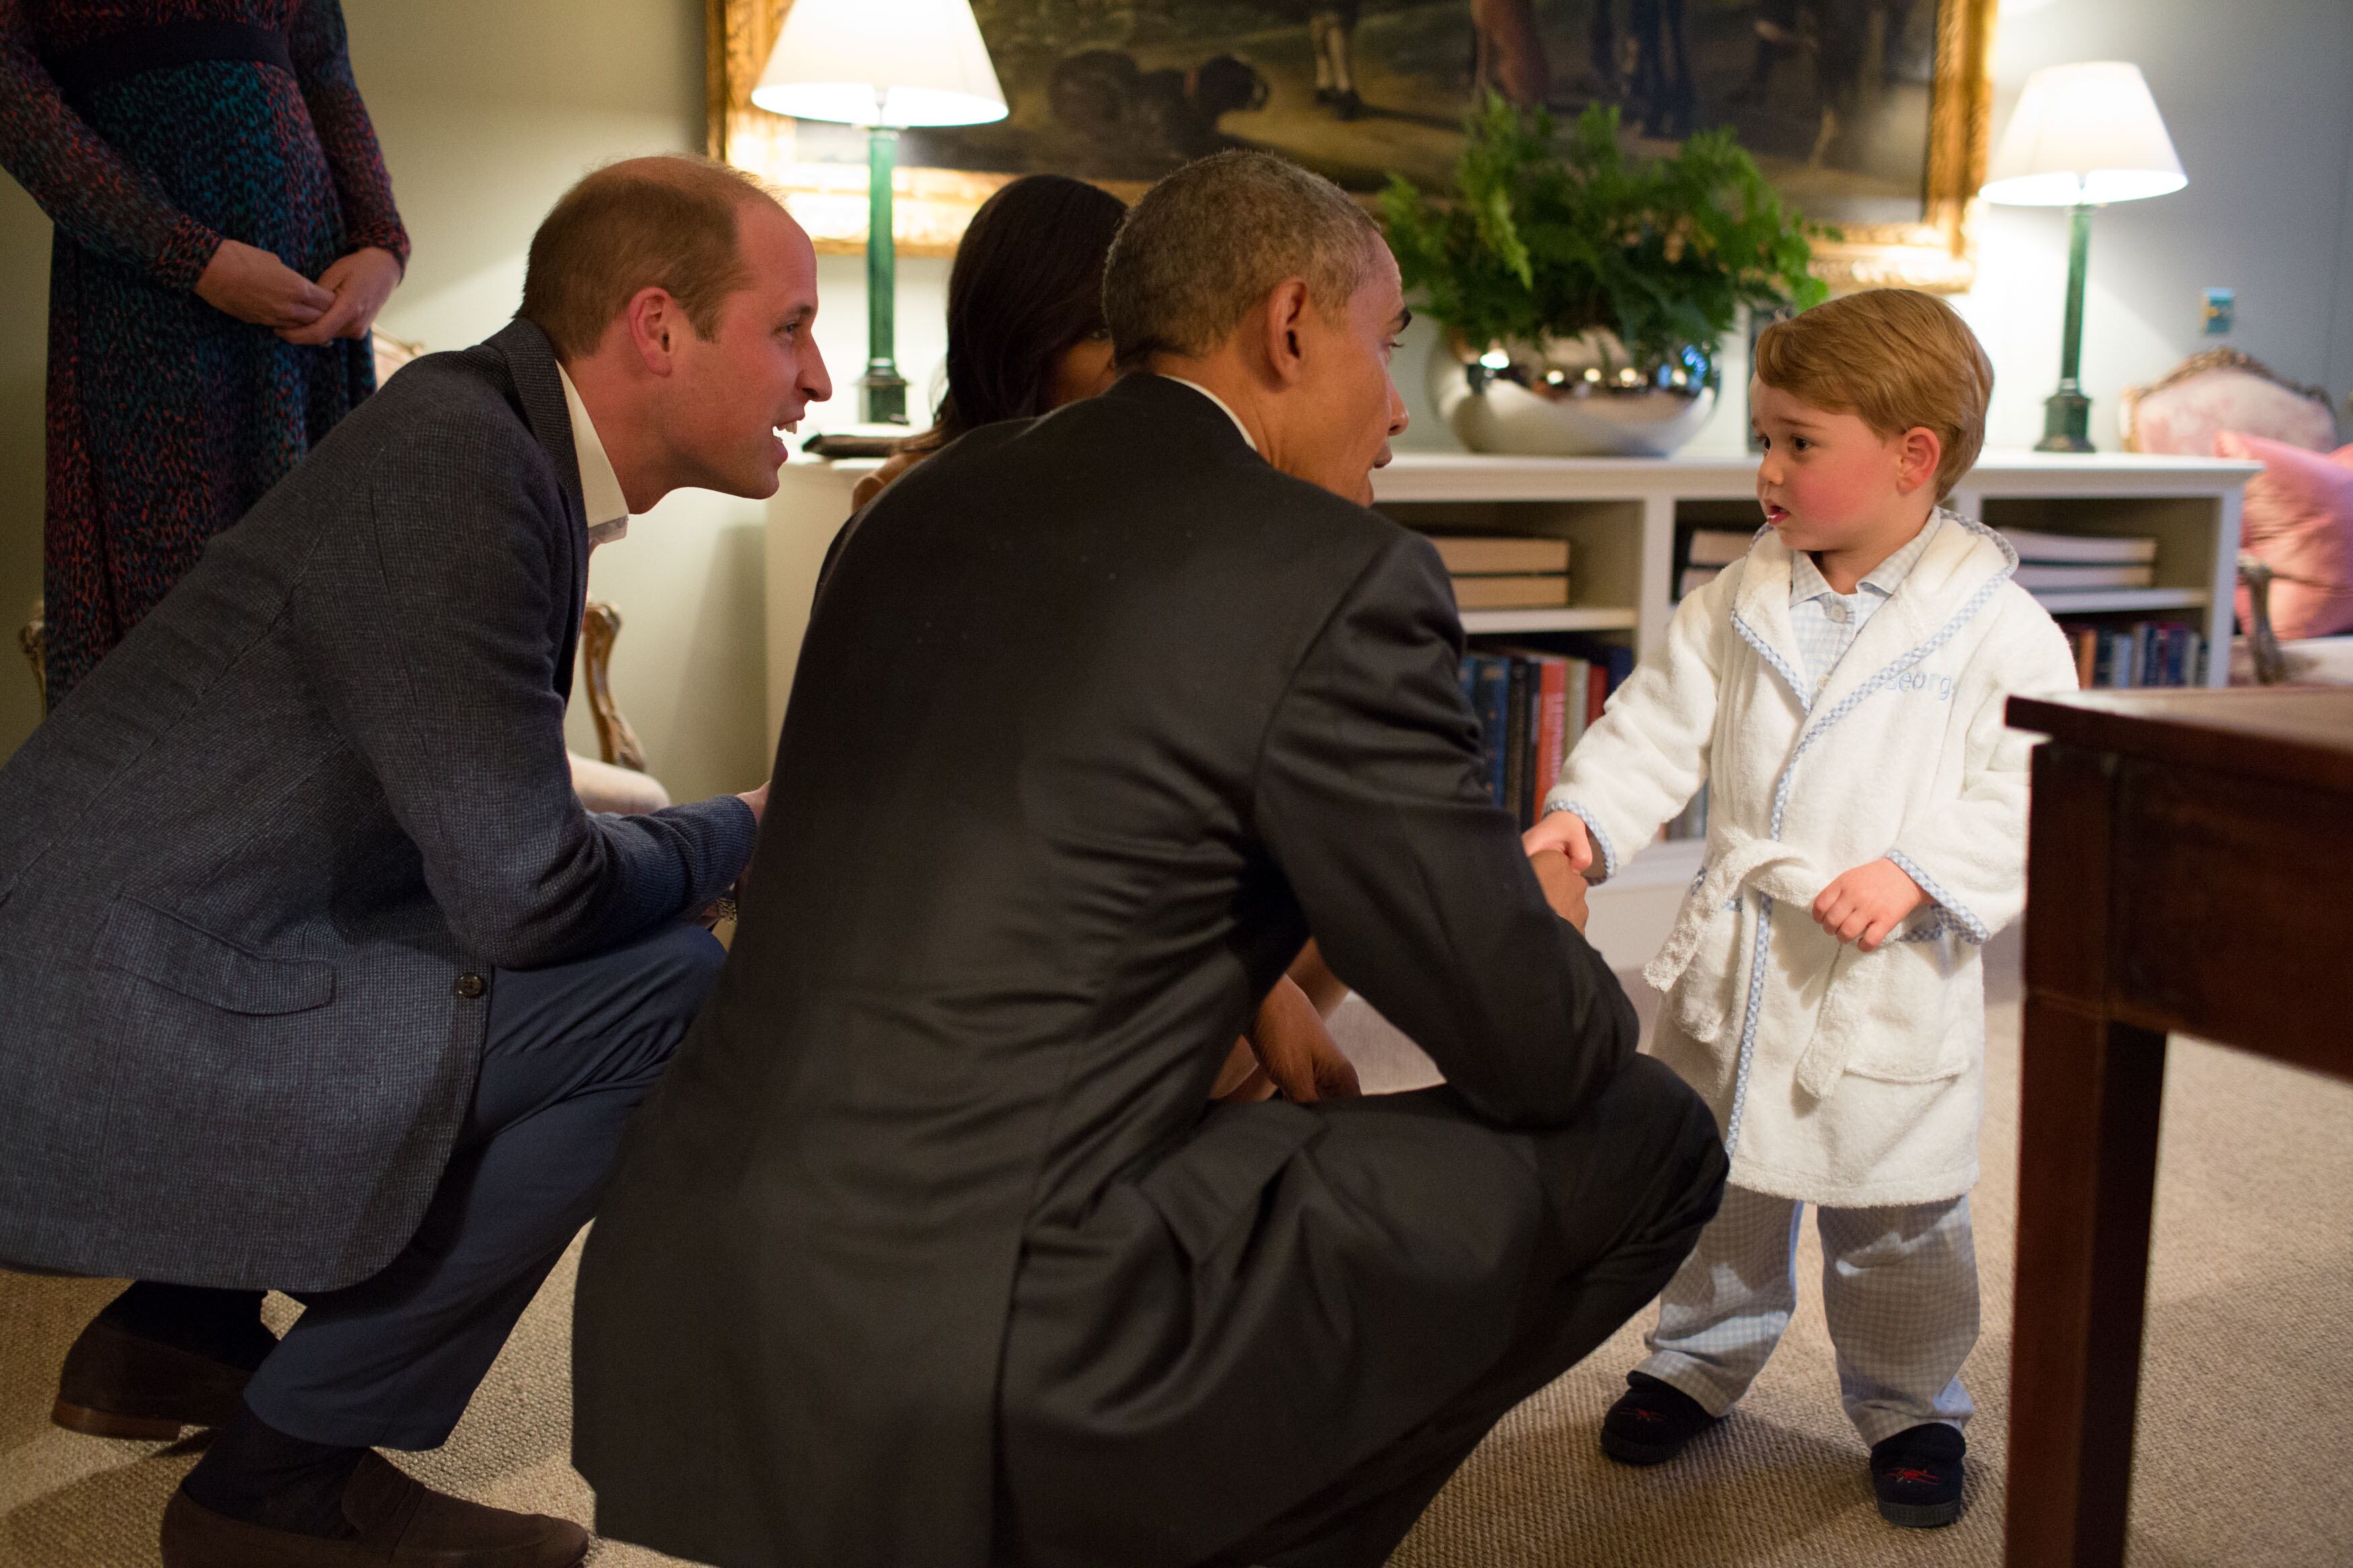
(1895, 358)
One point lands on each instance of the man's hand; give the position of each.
(251, 284)
(361, 283)
(1866, 904)
(1564, 889)
(1564, 831)
(1296, 1054)
(758, 799)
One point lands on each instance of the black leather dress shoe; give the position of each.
(117, 1383)
(396, 1522)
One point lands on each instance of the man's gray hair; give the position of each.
(1207, 244)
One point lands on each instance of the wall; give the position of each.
(2254, 98)
(488, 112)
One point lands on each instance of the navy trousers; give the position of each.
(572, 1050)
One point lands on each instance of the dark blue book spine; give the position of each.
(1616, 659)
(1516, 739)
(1493, 684)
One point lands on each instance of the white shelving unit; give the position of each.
(2101, 600)
(1620, 516)
(1480, 622)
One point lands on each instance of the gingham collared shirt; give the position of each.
(1826, 622)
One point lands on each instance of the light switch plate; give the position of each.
(2220, 305)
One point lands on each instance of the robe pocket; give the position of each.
(1702, 999)
(1213, 1185)
(164, 950)
(1897, 1014)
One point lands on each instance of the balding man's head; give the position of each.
(666, 221)
(682, 299)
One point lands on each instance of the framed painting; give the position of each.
(1873, 115)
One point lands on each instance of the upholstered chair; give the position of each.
(2210, 405)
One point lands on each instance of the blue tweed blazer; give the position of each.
(258, 869)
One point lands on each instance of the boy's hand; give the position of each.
(1564, 889)
(1564, 831)
(1868, 903)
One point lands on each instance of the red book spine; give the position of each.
(1597, 688)
(1552, 731)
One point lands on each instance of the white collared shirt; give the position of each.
(600, 486)
(1223, 407)
(1826, 622)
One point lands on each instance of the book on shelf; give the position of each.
(1504, 554)
(2059, 549)
(1694, 578)
(1533, 707)
(2145, 653)
(1547, 591)
(2037, 576)
(1719, 546)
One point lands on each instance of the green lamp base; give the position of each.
(2066, 423)
(882, 395)
(2067, 413)
(881, 391)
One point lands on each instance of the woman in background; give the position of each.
(1026, 335)
(1026, 331)
(204, 161)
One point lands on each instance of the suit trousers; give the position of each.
(571, 1051)
(1899, 1287)
(1629, 1187)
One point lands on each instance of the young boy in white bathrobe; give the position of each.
(1839, 691)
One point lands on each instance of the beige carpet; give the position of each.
(2245, 1458)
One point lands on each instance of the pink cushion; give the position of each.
(2298, 521)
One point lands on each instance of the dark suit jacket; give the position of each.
(1095, 718)
(248, 866)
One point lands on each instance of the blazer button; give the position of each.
(469, 987)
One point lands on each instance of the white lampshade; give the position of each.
(882, 62)
(2083, 133)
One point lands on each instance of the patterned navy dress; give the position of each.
(167, 418)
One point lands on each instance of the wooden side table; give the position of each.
(2187, 865)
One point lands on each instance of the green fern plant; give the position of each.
(1551, 237)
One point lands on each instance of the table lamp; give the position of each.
(885, 65)
(2082, 136)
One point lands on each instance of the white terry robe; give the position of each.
(1839, 1077)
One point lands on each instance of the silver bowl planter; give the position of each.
(1571, 397)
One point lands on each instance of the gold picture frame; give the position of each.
(933, 205)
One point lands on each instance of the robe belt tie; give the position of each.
(1740, 862)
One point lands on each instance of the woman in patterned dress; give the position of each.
(204, 161)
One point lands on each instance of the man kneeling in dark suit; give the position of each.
(314, 974)
(930, 1250)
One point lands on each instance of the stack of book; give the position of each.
(1532, 706)
(1505, 572)
(2064, 561)
(2145, 653)
(1712, 549)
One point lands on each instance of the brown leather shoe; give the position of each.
(402, 1523)
(120, 1384)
